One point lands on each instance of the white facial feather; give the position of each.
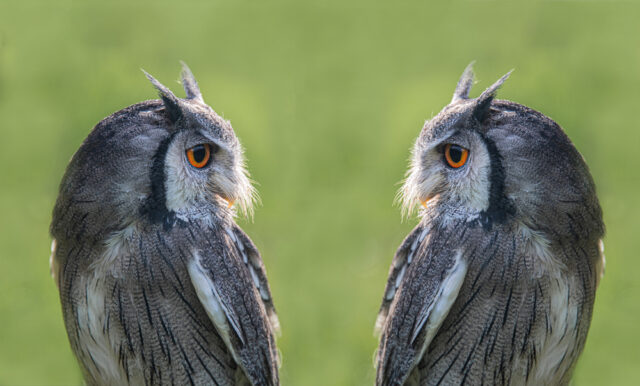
(473, 185)
(186, 186)
(466, 189)
(182, 191)
(420, 183)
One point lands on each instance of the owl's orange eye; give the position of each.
(199, 155)
(456, 156)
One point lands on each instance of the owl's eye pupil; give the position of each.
(199, 155)
(455, 153)
(455, 156)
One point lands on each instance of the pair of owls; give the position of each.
(158, 284)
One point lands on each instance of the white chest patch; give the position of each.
(98, 343)
(98, 339)
(557, 348)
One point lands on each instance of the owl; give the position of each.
(496, 283)
(158, 284)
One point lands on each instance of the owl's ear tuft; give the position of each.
(189, 83)
(171, 102)
(464, 84)
(483, 102)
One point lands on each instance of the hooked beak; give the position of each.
(230, 201)
(426, 200)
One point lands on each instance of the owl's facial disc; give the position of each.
(202, 160)
(230, 179)
(203, 170)
(466, 171)
(455, 156)
(451, 161)
(199, 157)
(450, 171)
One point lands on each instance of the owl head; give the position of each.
(157, 161)
(494, 161)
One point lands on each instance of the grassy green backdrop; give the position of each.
(327, 99)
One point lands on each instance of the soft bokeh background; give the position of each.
(327, 99)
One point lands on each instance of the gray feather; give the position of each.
(483, 102)
(171, 102)
(190, 84)
(523, 212)
(464, 84)
(130, 214)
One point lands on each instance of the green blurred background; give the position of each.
(327, 99)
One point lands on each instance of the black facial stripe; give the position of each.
(156, 207)
(499, 205)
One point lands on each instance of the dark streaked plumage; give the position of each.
(157, 283)
(497, 282)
